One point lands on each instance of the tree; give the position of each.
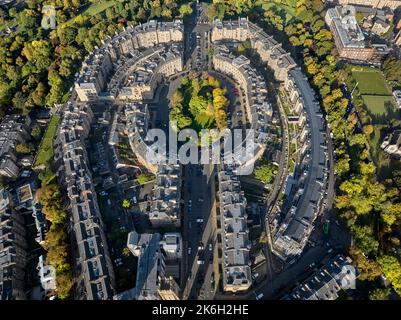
(380, 294)
(368, 269)
(185, 10)
(49, 197)
(23, 148)
(64, 283)
(392, 270)
(368, 129)
(36, 132)
(126, 252)
(127, 204)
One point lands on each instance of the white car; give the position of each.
(189, 250)
(210, 247)
(259, 296)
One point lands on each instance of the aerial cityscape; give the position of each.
(222, 150)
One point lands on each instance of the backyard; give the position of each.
(45, 152)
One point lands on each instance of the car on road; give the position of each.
(200, 199)
(201, 246)
(312, 265)
(199, 220)
(118, 262)
(200, 262)
(189, 275)
(259, 296)
(189, 250)
(210, 247)
(255, 276)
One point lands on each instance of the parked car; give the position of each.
(259, 296)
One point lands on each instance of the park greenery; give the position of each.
(199, 103)
(370, 208)
(56, 242)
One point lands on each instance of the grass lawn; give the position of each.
(379, 106)
(99, 7)
(370, 81)
(92, 10)
(45, 153)
(290, 11)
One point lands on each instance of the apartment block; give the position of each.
(392, 4)
(151, 265)
(237, 30)
(166, 195)
(96, 280)
(235, 233)
(99, 65)
(13, 250)
(13, 130)
(305, 186)
(141, 85)
(325, 284)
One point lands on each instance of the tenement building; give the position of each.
(99, 65)
(13, 130)
(327, 282)
(235, 233)
(13, 250)
(392, 4)
(305, 188)
(96, 276)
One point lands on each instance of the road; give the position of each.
(199, 265)
(200, 231)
